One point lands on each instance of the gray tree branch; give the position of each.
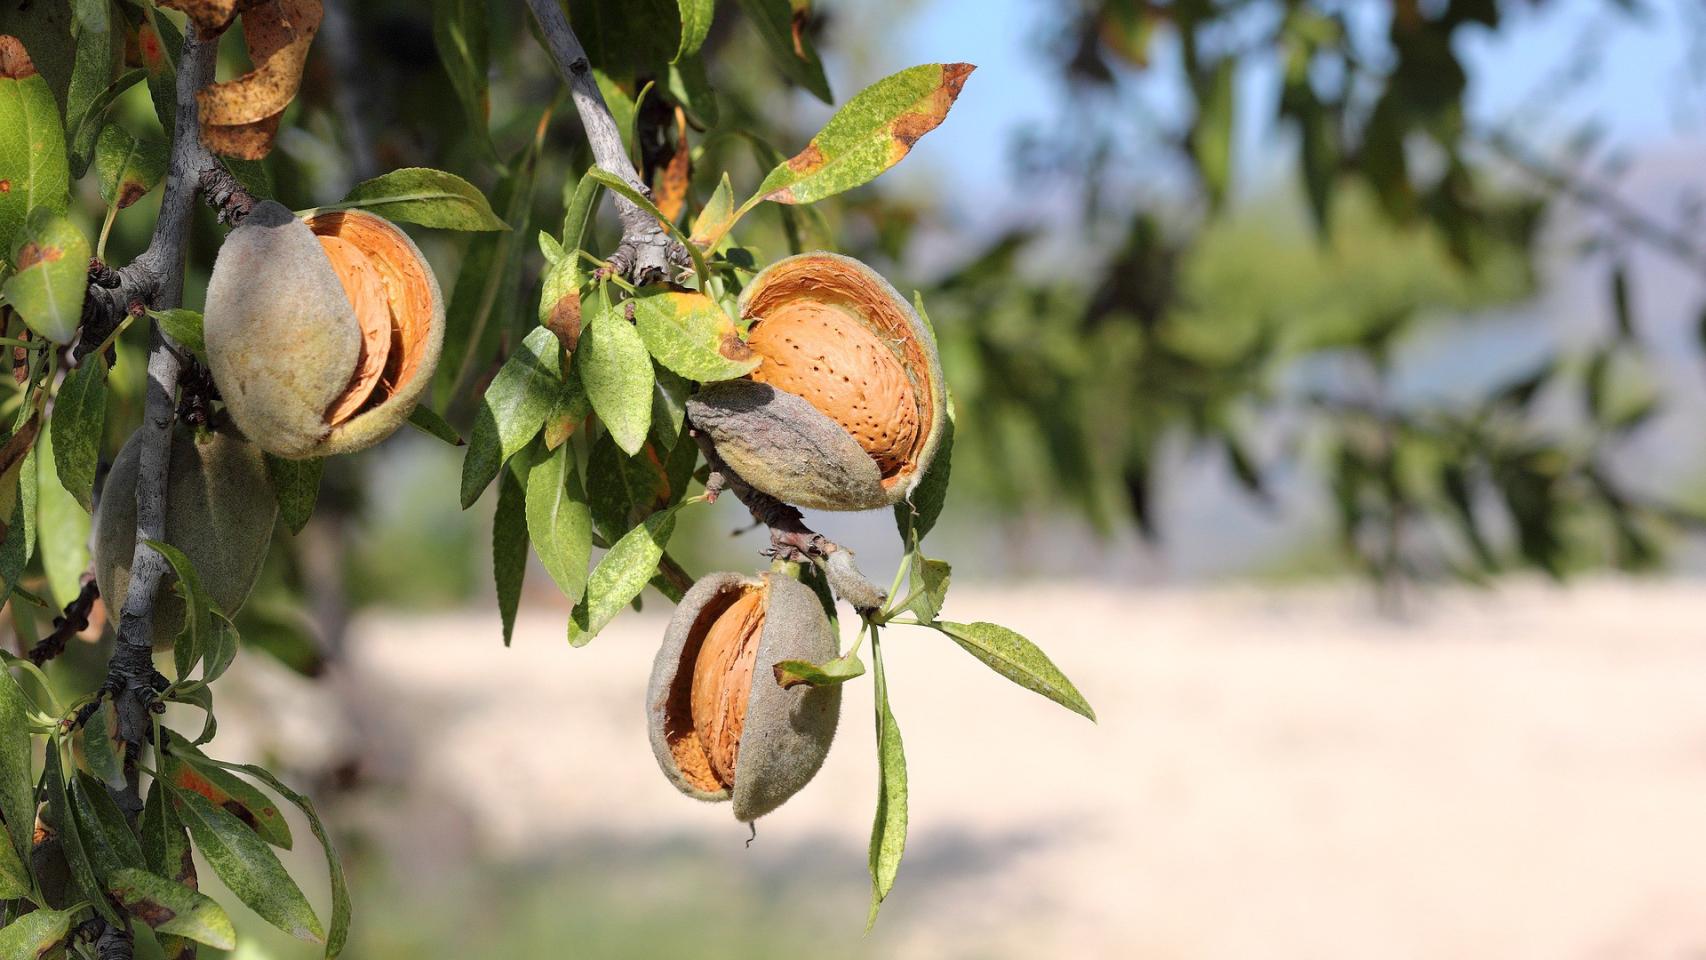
(646, 251)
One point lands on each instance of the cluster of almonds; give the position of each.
(321, 335)
(844, 412)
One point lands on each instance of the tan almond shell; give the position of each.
(784, 446)
(283, 340)
(220, 512)
(787, 733)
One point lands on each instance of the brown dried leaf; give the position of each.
(240, 117)
(671, 192)
(212, 16)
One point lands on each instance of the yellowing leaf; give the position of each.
(239, 118)
(869, 135)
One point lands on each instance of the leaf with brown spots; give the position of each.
(713, 222)
(169, 907)
(53, 275)
(35, 169)
(187, 769)
(239, 118)
(35, 935)
(690, 334)
(128, 166)
(868, 135)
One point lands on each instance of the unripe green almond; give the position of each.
(846, 410)
(785, 734)
(220, 511)
(312, 356)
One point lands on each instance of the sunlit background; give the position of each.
(1357, 493)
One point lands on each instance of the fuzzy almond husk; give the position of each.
(785, 734)
(303, 371)
(847, 408)
(220, 512)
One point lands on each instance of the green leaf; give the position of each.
(869, 135)
(198, 625)
(296, 484)
(712, 224)
(34, 935)
(695, 25)
(82, 129)
(71, 838)
(1211, 136)
(888, 829)
(431, 198)
(509, 548)
(691, 335)
(930, 586)
(169, 907)
(792, 673)
(1019, 660)
(78, 424)
(249, 867)
(460, 31)
(100, 751)
(427, 421)
(617, 374)
(620, 576)
(91, 15)
(106, 834)
(578, 208)
(52, 258)
(1620, 303)
(918, 513)
(338, 935)
(184, 327)
(14, 876)
(189, 770)
(559, 521)
(488, 285)
(774, 20)
(512, 410)
(165, 840)
(17, 783)
(691, 88)
(160, 45)
(128, 166)
(33, 163)
(62, 530)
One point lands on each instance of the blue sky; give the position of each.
(1635, 89)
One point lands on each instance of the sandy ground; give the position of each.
(1274, 774)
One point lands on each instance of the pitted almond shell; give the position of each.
(855, 402)
(721, 727)
(220, 511)
(321, 334)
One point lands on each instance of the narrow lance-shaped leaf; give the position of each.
(17, 783)
(431, 198)
(338, 933)
(106, 835)
(62, 530)
(429, 422)
(782, 27)
(169, 907)
(14, 876)
(715, 218)
(559, 522)
(71, 838)
(78, 423)
(512, 410)
(33, 161)
(460, 32)
(189, 770)
(616, 371)
(1019, 660)
(929, 584)
(620, 575)
(793, 673)
(1211, 137)
(888, 828)
(249, 868)
(509, 548)
(82, 131)
(52, 259)
(187, 648)
(868, 135)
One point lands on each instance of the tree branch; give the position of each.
(74, 620)
(156, 280)
(790, 538)
(646, 251)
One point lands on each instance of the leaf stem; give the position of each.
(106, 229)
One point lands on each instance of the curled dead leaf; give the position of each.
(671, 192)
(240, 117)
(211, 16)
